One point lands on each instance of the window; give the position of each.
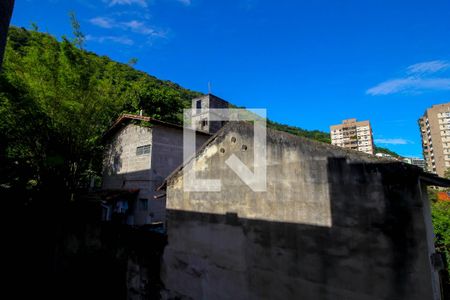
(143, 150)
(199, 104)
(143, 204)
(204, 123)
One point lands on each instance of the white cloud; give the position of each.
(409, 84)
(143, 28)
(142, 3)
(115, 39)
(397, 141)
(103, 22)
(133, 25)
(428, 67)
(418, 78)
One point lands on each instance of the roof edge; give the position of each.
(129, 117)
(427, 178)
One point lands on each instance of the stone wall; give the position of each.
(333, 224)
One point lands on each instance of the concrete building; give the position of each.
(354, 135)
(140, 153)
(435, 130)
(201, 118)
(333, 224)
(416, 161)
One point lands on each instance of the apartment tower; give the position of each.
(435, 131)
(354, 135)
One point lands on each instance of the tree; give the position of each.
(79, 37)
(447, 173)
(6, 8)
(132, 62)
(441, 224)
(56, 102)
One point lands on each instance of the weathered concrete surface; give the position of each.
(333, 224)
(124, 169)
(206, 103)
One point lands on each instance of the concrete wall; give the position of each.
(207, 102)
(167, 155)
(333, 224)
(123, 169)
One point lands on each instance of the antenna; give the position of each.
(209, 87)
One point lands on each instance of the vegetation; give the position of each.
(386, 151)
(318, 136)
(312, 134)
(441, 223)
(440, 211)
(56, 101)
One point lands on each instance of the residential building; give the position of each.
(140, 153)
(435, 130)
(354, 135)
(202, 116)
(332, 224)
(385, 155)
(416, 162)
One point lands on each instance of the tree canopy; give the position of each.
(57, 100)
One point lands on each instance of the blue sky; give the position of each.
(310, 63)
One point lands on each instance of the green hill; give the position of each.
(56, 101)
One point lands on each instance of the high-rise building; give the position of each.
(416, 161)
(201, 117)
(354, 135)
(435, 131)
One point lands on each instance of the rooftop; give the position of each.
(125, 119)
(275, 136)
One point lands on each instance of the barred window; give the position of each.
(143, 150)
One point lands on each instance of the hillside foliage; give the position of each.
(56, 101)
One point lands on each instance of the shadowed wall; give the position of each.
(333, 224)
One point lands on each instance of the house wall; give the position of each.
(123, 169)
(332, 225)
(207, 102)
(120, 160)
(167, 155)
